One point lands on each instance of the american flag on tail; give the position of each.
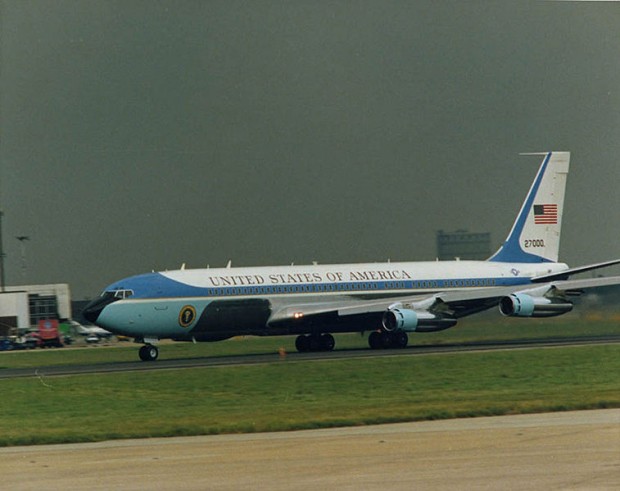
(545, 214)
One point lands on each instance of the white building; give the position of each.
(23, 306)
(14, 311)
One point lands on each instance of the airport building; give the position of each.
(24, 306)
(463, 245)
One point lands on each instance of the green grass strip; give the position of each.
(287, 396)
(467, 330)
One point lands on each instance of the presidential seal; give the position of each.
(187, 315)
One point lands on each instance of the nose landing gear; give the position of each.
(148, 352)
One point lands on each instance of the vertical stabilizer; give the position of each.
(535, 235)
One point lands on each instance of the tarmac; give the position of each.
(577, 450)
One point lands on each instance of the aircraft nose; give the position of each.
(92, 311)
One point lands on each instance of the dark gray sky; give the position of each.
(138, 135)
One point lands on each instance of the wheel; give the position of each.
(400, 339)
(148, 352)
(327, 342)
(302, 343)
(153, 353)
(386, 340)
(315, 342)
(374, 340)
(142, 353)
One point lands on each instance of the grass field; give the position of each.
(490, 328)
(292, 395)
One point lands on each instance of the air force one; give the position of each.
(388, 300)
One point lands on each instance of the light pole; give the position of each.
(22, 240)
(2, 275)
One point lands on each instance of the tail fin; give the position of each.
(535, 235)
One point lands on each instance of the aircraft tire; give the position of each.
(302, 343)
(399, 339)
(386, 340)
(327, 342)
(148, 352)
(315, 342)
(374, 340)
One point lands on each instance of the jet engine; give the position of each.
(523, 305)
(400, 319)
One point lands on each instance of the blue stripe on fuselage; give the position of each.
(156, 285)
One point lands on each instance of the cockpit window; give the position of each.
(123, 293)
(117, 294)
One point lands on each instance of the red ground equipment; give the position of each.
(49, 333)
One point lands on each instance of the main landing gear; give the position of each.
(315, 342)
(386, 340)
(148, 352)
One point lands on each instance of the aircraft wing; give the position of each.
(577, 285)
(451, 304)
(562, 275)
(349, 306)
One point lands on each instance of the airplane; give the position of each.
(89, 331)
(388, 300)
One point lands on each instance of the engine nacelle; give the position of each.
(398, 319)
(523, 305)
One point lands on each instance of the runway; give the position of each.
(562, 451)
(420, 350)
